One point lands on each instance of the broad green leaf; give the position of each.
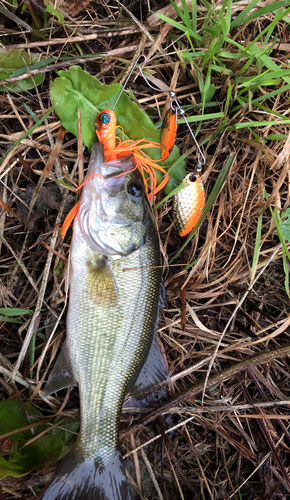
(176, 174)
(76, 89)
(50, 8)
(67, 430)
(10, 469)
(15, 415)
(45, 449)
(11, 60)
(49, 447)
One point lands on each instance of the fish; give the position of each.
(115, 292)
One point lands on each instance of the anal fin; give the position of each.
(153, 373)
(61, 376)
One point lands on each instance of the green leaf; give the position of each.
(265, 123)
(180, 27)
(176, 174)
(10, 311)
(49, 447)
(67, 431)
(52, 10)
(15, 415)
(39, 64)
(10, 320)
(11, 60)
(10, 469)
(45, 449)
(271, 7)
(76, 89)
(276, 137)
(285, 224)
(203, 117)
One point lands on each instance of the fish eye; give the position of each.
(105, 118)
(135, 189)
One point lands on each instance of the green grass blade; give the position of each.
(228, 16)
(207, 85)
(199, 118)
(276, 137)
(32, 114)
(242, 15)
(277, 19)
(257, 246)
(194, 15)
(277, 221)
(271, 7)
(180, 27)
(12, 311)
(206, 4)
(180, 13)
(266, 123)
(285, 88)
(187, 19)
(210, 51)
(30, 67)
(173, 192)
(246, 65)
(262, 78)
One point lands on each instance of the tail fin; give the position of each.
(89, 479)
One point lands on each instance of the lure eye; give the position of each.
(105, 118)
(134, 189)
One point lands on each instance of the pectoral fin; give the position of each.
(101, 285)
(61, 376)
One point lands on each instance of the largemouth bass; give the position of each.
(110, 324)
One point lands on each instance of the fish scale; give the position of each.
(118, 340)
(111, 320)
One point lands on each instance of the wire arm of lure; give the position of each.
(176, 108)
(141, 64)
(127, 79)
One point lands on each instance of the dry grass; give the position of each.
(224, 433)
